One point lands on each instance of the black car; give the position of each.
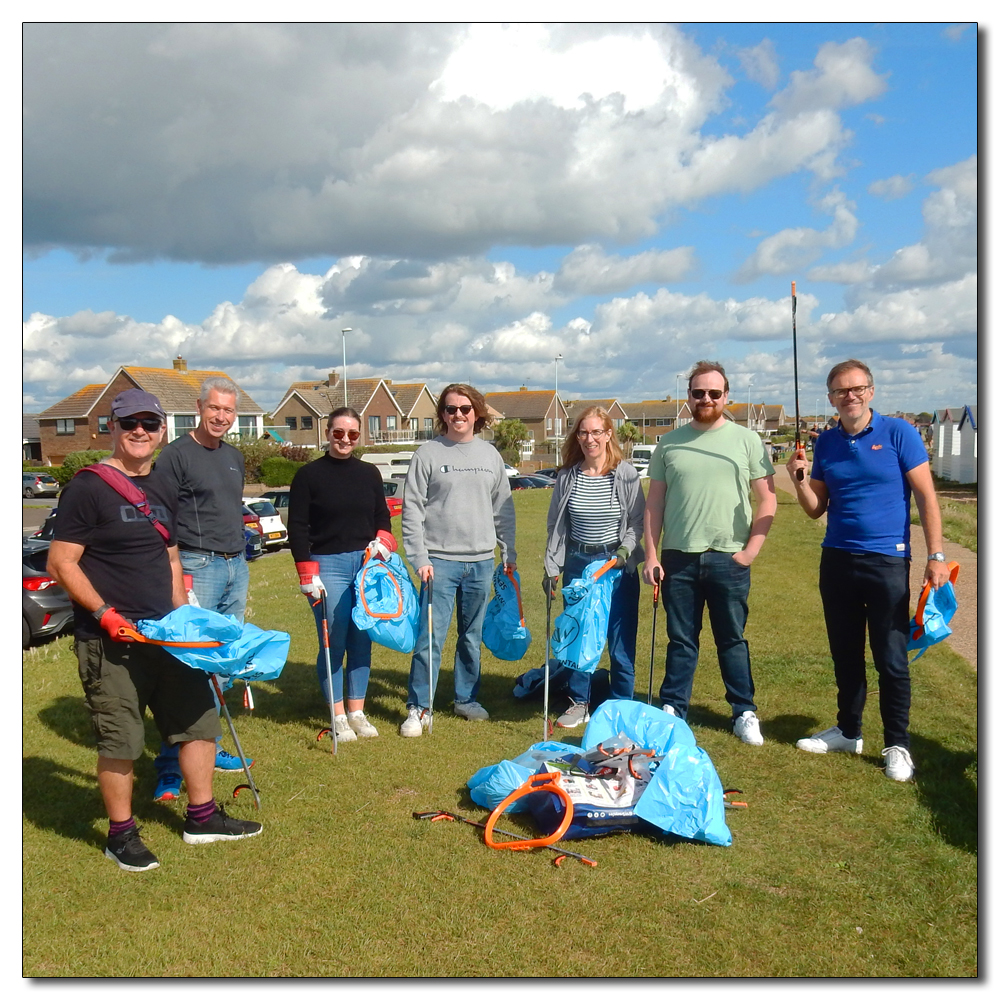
(45, 606)
(548, 473)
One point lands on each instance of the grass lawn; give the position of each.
(834, 870)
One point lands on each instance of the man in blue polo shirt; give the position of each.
(862, 475)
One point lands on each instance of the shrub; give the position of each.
(278, 471)
(512, 456)
(255, 452)
(297, 453)
(77, 460)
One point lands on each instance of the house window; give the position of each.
(183, 423)
(414, 423)
(390, 422)
(307, 423)
(291, 423)
(248, 426)
(548, 424)
(102, 425)
(661, 421)
(65, 427)
(374, 426)
(428, 423)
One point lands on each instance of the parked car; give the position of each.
(541, 482)
(274, 531)
(510, 470)
(278, 499)
(253, 534)
(530, 482)
(548, 473)
(391, 465)
(39, 484)
(48, 527)
(45, 607)
(393, 496)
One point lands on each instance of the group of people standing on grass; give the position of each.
(710, 505)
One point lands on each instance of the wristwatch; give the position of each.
(936, 557)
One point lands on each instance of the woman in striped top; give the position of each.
(596, 513)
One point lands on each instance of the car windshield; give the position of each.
(263, 509)
(389, 489)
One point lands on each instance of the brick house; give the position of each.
(545, 415)
(753, 416)
(655, 417)
(300, 417)
(574, 407)
(80, 421)
(419, 406)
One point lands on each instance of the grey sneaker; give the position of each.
(574, 715)
(345, 734)
(898, 763)
(472, 711)
(831, 740)
(415, 723)
(360, 724)
(747, 728)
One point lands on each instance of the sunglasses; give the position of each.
(466, 409)
(700, 393)
(339, 434)
(150, 424)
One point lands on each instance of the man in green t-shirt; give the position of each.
(701, 478)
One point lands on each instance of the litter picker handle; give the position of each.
(656, 584)
(800, 448)
(139, 637)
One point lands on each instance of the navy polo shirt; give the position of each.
(865, 476)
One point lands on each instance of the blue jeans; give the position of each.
(219, 585)
(337, 572)
(623, 621)
(690, 581)
(465, 588)
(870, 590)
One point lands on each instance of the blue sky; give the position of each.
(238, 194)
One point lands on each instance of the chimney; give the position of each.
(180, 365)
(333, 379)
(523, 388)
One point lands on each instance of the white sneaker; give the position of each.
(344, 732)
(670, 710)
(831, 740)
(472, 711)
(416, 722)
(898, 763)
(747, 728)
(360, 724)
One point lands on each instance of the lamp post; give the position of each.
(343, 336)
(558, 419)
(749, 383)
(677, 398)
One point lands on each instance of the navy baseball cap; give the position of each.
(132, 401)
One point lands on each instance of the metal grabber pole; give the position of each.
(430, 655)
(652, 641)
(236, 740)
(548, 642)
(329, 674)
(800, 448)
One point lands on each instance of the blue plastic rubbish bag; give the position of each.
(247, 653)
(935, 610)
(490, 785)
(505, 633)
(386, 605)
(580, 633)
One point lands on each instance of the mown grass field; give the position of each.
(834, 870)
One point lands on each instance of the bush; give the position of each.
(77, 460)
(255, 452)
(297, 453)
(278, 471)
(512, 456)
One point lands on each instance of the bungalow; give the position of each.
(574, 407)
(80, 421)
(541, 411)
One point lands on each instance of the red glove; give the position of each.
(309, 580)
(111, 622)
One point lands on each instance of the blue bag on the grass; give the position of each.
(386, 605)
(490, 785)
(581, 631)
(246, 653)
(505, 633)
(935, 609)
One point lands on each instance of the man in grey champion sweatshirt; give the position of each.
(456, 508)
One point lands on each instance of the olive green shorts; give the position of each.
(121, 679)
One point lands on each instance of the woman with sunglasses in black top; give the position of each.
(337, 516)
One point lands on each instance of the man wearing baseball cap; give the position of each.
(110, 555)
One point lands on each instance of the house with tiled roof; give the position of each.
(750, 415)
(31, 443)
(655, 417)
(300, 417)
(574, 407)
(80, 421)
(540, 410)
(419, 406)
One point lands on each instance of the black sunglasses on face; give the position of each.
(700, 393)
(150, 424)
(466, 409)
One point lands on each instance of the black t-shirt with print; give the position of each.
(125, 557)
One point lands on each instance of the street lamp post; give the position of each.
(558, 419)
(343, 335)
(749, 383)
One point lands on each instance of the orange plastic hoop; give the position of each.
(548, 782)
(517, 590)
(364, 602)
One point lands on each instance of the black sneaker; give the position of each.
(129, 852)
(219, 826)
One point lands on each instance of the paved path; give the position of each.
(964, 637)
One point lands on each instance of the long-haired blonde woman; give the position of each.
(596, 513)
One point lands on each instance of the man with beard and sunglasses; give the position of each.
(456, 509)
(116, 556)
(701, 480)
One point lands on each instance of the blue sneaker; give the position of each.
(225, 761)
(168, 788)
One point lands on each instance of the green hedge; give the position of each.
(278, 471)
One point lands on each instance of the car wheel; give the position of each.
(28, 492)
(25, 633)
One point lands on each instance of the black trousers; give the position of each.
(868, 591)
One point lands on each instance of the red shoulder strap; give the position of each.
(124, 486)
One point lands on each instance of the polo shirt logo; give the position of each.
(875, 447)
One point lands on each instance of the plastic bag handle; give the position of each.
(364, 602)
(608, 565)
(517, 590)
(918, 618)
(546, 782)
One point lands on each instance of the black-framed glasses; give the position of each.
(149, 424)
(851, 390)
(466, 409)
(338, 433)
(592, 434)
(700, 393)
